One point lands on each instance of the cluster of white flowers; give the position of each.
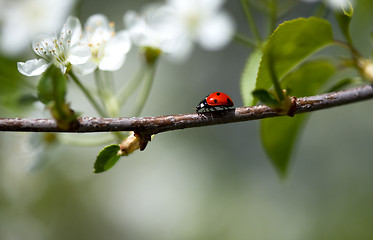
(23, 20)
(99, 47)
(170, 28)
(173, 27)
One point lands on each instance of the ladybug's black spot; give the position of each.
(215, 101)
(218, 93)
(229, 101)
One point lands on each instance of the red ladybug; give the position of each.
(215, 99)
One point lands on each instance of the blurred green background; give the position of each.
(205, 183)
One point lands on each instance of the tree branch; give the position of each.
(153, 125)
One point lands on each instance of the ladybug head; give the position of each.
(201, 105)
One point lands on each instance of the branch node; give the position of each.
(143, 139)
(293, 107)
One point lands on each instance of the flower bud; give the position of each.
(136, 140)
(366, 68)
(129, 145)
(151, 54)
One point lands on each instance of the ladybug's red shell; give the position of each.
(215, 99)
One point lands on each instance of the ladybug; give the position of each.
(215, 99)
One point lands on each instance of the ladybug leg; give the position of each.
(207, 109)
(204, 110)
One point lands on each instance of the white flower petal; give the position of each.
(216, 32)
(120, 43)
(131, 18)
(79, 54)
(181, 51)
(43, 38)
(85, 68)
(138, 29)
(98, 29)
(45, 48)
(73, 27)
(213, 5)
(32, 67)
(156, 29)
(112, 63)
(185, 6)
(95, 21)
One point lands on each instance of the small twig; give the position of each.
(245, 41)
(250, 20)
(153, 125)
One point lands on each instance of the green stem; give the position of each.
(250, 20)
(58, 102)
(272, 15)
(99, 86)
(97, 107)
(108, 77)
(355, 53)
(88, 95)
(276, 82)
(144, 94)
(105, 90)
(278, 89)
(321, 10)
(285, 7)
(130, 87)
(244, 40)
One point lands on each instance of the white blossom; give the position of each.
(203, 21)
(108, 48)
(155, 27)
(22, 20)
(62, 51)
(176, 25)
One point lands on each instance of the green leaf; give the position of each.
(52, 86)
(290, 44)
(278, 138)
(45, 87)
(266, 97)
(309, 78)
(343, 17)
(107, 158)
(59, 85)
(52, 89)
(248, 78)
(279, 135)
